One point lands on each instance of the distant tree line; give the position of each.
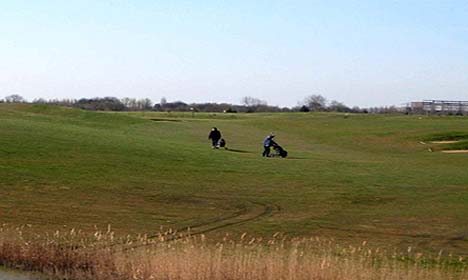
(312, 103)
(318, 103)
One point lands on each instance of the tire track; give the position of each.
(243, 215)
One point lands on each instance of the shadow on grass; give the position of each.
(250, 152)
(296, 158)
(165, 120)
(238, 151)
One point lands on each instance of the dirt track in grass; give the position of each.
(248, 211)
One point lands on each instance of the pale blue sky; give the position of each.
(363, 53)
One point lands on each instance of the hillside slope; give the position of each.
(362, 177)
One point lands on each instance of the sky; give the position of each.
(362, 53)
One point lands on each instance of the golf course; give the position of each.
(352, 178)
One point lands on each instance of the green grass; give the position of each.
(461, 145)
(447, 136)
(365, 177)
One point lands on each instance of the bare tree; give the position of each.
(252, 101)
(39, 101)
(316, 102)
(163, 102)
(336, 106)
(144, 104)
(14, 98)
(130, 103)
(125, 101)
(100, 104)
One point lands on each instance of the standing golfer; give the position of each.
(215, 136)
(267, 143)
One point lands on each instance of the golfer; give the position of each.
(267, 144)
(215, 136)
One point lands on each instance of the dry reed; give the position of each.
(77, 255)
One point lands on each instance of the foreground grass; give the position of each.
(74, 255)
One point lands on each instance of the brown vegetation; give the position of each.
(76, 255)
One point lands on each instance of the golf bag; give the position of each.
(279, 151)
(222, 143)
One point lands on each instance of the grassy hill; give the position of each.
(362, 177)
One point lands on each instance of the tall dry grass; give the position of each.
(76, 255)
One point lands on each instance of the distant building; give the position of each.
(439, 107)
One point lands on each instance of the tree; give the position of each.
(144, 104)
(100, 104)
(253, 102)
(163, 102)
(39, 101)
(125, 101)
(304, 108)
(316, 102)
(336, 106)
(230, 110)
(129, 103)
(14, 98)
(147, 104)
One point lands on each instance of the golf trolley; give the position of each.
(279, 151)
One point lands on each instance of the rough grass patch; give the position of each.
(447, 136)
(461, 145)
(76, 255)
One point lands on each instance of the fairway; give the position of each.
(350, 178)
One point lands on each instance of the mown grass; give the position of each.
(364, 177)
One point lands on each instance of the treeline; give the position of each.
(312, 103)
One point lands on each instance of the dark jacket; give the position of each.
(215, 135)
(268, 142)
